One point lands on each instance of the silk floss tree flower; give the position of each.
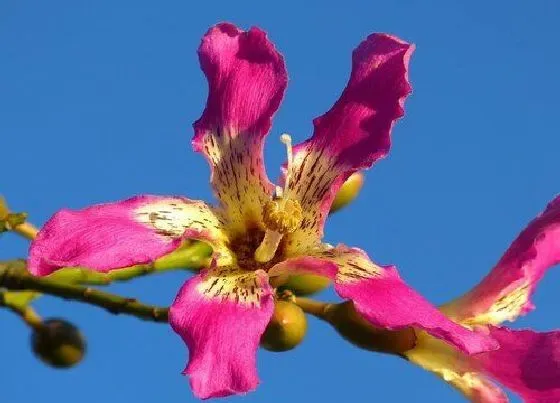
(259, 232)
(527, 362)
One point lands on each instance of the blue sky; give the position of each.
(96, 104)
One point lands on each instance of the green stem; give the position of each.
(14, 278)
(312, 307)
(26, 230)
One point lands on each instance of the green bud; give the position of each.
(58, 343)
(286, 328)
(348, 191)
(355, 329)
(306, 284)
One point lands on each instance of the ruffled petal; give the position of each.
(246, 79)
(505, 292)
(527, 362)
(455, 368)
(221, 315)
(353, 135)
(382, 297)
(120, 234)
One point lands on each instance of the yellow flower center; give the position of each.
(280, 215)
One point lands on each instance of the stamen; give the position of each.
(280, 215)
(287, 140)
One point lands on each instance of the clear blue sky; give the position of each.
(96, 104)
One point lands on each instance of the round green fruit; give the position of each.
(286, 328)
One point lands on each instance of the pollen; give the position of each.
(283, 216)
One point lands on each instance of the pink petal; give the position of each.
(246, 79)
(221, 316)
(356, 131)
(381, 296)
(504, 293)
(527, 362)
(120, 234)
(354, 134)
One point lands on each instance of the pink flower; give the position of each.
(527, 362)
(259, 230)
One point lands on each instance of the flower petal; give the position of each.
(115, 235)
(504, 293)
(353, 135)
(455, 368)
(221, 315)
(246, 78)
(527, 362)
(382, 297)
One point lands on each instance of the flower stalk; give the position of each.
(24, 311)
(26, 230)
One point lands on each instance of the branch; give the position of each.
(16, 278)
(68, 283)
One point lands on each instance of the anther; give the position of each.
(283, 216)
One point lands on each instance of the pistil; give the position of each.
(267, 249)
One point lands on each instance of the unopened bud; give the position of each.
(286, 328)
(358, 331)
(58, 343)
(306, 284)
(348, 191)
